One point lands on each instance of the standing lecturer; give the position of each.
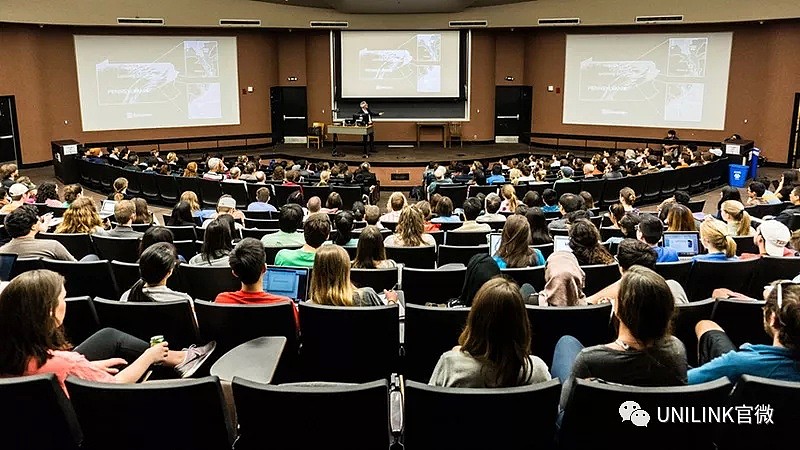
(368, 114)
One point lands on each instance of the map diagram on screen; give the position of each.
(166, 80)
(687, 57)
(416, 61)
(618, 80)
(684, 102)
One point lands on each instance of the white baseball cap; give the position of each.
(776, 235)
(226, 202)
(17, 189)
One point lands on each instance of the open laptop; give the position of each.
(289, 282)
(686, 243)
(107, 208)
(7, 261)
(494, 243)
(561, 243)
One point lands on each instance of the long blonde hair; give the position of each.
(330, 278)
(740, 216)
(715, 234)
(510, 194)
(80, 217)
(410, 227)
(191, 198)
(191, 170)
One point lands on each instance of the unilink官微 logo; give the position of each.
(631, 410)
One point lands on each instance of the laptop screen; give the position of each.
(289, 282)
(561, 243)
(685, 243)
(494, 243)
(108, 206)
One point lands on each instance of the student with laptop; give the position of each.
(650, 231)
(248, 263)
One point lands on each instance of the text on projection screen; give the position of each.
(134, 82)
(400, 64)
(647, 80)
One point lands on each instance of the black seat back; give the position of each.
(418, 257)
(211, 191)
(371, 334)
(173, 320)
(239, 193)
(207, 281)
(78, 244)
(349, 194)
(466, 238)
(81, 322)
(684, 321)
(168, 188)
(531, 275)
(678, 271)
(582, 427)
(781, 397)
(378, 279)
(745, 244)
(422, 286)
(589, 324)
(706, 276)
(185, 233)
(92, 278)
(742, 320)
(259, 424)
(190, 184)
(511, 418)
(449, 254)
(231, 325)
(456, 193)
(22, 265)
(598, 276)
(772, 268)
(37, 400)
(126, 274)
(119, 249)
(429, 332)
(147, 180)
(282, 193)
(195, 405)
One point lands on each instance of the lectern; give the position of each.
(65, 161)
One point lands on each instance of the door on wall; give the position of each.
(512, 110)
(289, 114)
(794, 134)
(9, 135)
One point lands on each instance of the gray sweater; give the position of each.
(459, 369)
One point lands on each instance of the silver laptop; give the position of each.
(289, 282)
(686, 243)
(494, 243)
(561, 243)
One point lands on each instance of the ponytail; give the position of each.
(119, 196)
(137, 294)
(784, 303)
(730, 247)
(744, 224)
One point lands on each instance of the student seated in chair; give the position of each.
(290, 220)
(331, 285)
(124, 213)
(472, 209)
(248, 262)
(771, 238)
(650, 231)
(261, 203)
(315, 232)
(22, 225)
(32, 341)
(719, 357)
(156, 265)
(494, 348)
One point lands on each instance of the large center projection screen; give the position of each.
(133, 82)
(647, 80)
(400, 64)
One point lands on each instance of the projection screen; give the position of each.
(647, 80)
(132, 82)
(400, 64)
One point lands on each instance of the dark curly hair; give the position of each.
(584, 239)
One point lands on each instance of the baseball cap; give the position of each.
(776, 235)
(567, 171)
(213, 162)
(17, 189)
(226, 202)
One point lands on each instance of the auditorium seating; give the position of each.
(769, 269)
(781, 396)
(348, 344)
(206, 282)
(684, 322)
(78, 244)
(306, 416)
(92, 278)
(592, 415)
(231, 325)
(422, 286)
(378, 279)
(429, 332)
(37, 414)
(500, 418)
(192, 413)
(598, 276)
(460, 254)
(589, 324)
(742, 320)
(82, 321)
(531, 275)
(705, 276)
(120, 249)
(677, 271)
(174, 320)
(417, 257)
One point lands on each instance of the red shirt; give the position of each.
(241, 297)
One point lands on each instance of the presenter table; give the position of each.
(444, 126)
(368, 132)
